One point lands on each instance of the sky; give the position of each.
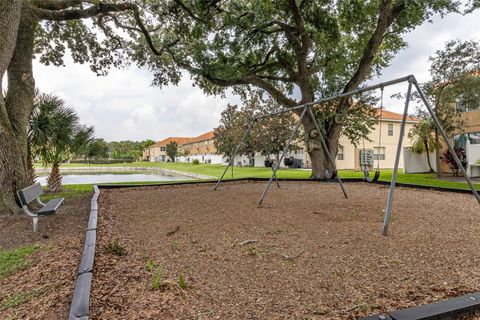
(124, 105)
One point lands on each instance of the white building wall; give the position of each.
(417, 162)
(473, 155)
(206, 158)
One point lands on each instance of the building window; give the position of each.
(390, 129)
(341, 153)
(162, 148)
(379, 153)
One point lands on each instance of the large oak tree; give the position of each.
(296, 50)
(49, 29)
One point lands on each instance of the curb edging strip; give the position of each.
(79, 308)
(445, 309)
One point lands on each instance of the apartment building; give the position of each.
(158, 151)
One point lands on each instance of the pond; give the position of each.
(72, 177)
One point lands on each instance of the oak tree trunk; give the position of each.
(322, 167)
(16, 47)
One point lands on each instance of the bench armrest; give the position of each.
(27, 211)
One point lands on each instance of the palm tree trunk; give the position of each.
(54, 179)
(428, 156)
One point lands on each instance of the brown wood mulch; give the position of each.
(307, 253)
(49, 280)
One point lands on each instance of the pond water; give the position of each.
(110, 177)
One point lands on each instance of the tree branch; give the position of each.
(57, 4)
(75, 14)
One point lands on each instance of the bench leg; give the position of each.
(35, 224)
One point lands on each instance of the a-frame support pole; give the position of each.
(445, 138)
(230, 163)
(388, 211)
(412, 81)
(327, 151)
(285, 150)
(262, 138)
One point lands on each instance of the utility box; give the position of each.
(366, 157)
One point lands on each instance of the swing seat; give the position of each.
(376, 176)
(366, 176)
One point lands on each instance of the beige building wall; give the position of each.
(199, 148)
(471, 120)
(388, 145)
(157, 153)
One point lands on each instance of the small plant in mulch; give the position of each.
(158, 282)
(176, 245)
(116, 248)
(181, 281)
(157, 278)
(253, 251)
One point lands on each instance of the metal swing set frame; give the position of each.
(307, 111)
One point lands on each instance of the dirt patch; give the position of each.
(46, 285)
(307, 253)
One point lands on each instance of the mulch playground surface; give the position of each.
(306, 253)
(43, 288)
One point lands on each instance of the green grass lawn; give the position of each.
(425, 179)
(12, 260)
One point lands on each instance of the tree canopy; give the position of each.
(296, 51)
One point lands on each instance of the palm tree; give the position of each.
(95, 150)
(54, 134)
(423, 138)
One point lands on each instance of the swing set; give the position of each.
(306, 110)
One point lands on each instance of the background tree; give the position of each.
(128, 149)
(233, 123)
(55, 135)
(454, 78)
(97, 149)
(268, 137)
(296, 51)
(172, 150)
(275, 130)
(423, 137)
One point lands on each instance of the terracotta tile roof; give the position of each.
(184, 140)
(203, 137)
(178, 140)
(389, 115)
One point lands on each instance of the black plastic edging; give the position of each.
(383, 183)
(446, 309)
(79, 308)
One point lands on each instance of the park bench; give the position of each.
(27, 195)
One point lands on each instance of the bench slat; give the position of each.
(29, 194)
(50, 207)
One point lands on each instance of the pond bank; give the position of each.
(129, 169)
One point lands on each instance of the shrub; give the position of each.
(195, 162)
(450, 161)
